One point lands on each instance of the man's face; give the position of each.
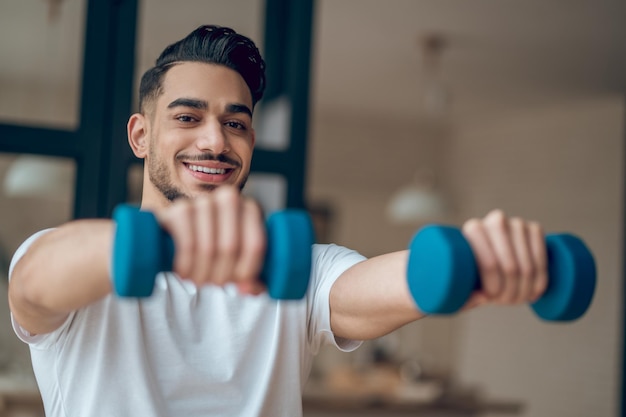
(199, 133)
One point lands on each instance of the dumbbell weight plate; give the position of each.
(572, 279)
(137, 256)
(441, 271)
(287, 263)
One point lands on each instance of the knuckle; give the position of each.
(203, 202)
(496, 219)
(489, 265)
(527, 271)
(517, 223)
(511, 269)
(471, 226)
(206, 248)
(185, 246)
(228, 248)
(535, 228)
(226, 194)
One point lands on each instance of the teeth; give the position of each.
(206, 170)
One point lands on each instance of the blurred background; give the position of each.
(380, 117)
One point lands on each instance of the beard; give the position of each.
(160, 176)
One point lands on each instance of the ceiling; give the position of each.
(499, 55)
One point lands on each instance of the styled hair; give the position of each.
(211, 44)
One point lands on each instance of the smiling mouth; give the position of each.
(207, 170)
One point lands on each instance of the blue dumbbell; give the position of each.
(442, 274)
(142, 249)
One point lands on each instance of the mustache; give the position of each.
(208, 157)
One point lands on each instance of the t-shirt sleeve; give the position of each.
(329, 262)
(41, 341)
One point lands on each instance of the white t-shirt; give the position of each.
(188, 351)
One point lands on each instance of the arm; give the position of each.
(372, 298)
(219, 238)
(63, 270)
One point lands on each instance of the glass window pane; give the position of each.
(270, 190)
(40, 74)
(272, 121)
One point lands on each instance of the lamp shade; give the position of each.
(412, 204)
(39, 176)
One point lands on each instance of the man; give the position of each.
(208, 342)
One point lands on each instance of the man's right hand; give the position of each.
(219, 238)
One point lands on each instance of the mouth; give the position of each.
(210, 173)
(208, 170)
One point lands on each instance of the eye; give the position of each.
(236, 125)
(185, 118)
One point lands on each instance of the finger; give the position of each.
(527, 270)
(250, 288)
(253, 244)
(176, 221)
(228, 217)
(537, 242)
(205, 247)
(497, 228)
(486, 261)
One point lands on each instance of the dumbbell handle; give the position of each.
(142, 249)
(442, 274)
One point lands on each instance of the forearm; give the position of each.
(372, 298)
(64, 270)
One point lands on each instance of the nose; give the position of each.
(213, 139)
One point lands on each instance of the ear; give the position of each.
(137, 131)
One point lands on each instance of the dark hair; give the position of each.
(210, 44)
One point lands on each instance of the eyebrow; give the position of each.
(189, 102)
(203, 105)
(238, 108)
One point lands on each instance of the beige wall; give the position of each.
(561, 164)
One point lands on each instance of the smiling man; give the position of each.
(208, 342)
(212, 138)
